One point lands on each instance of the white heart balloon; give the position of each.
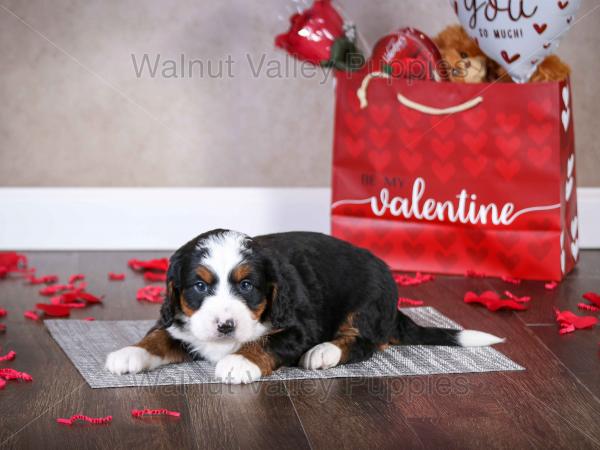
(517, 34)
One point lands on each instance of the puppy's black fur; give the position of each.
(318, 288)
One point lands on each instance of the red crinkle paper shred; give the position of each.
(592, 297)
(89, 319)
(154, 276)
(551, 285)
(61, 304)
(154, 412)
(569, 322)
(3, 312)
(80, 417)
(493, 302)
(475, 274)
(76, 298)
(516, 298)
(407, 280)
(402, 301)
(586, 307)
(151, 294)
(7, 374)
(510, 280)
(9, 356)
(112, 276)
(12, 262)
(2, 328)
(76, 277)
(45, 279)
(54, 310)
(55, 289)
(155, 265)
(31, 315)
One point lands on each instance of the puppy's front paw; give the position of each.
(236, 369)
(131, 360)
(322, 356)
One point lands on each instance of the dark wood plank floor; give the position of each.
(555, 403)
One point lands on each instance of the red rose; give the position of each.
(317, 36)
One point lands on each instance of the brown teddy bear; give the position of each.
(464, 62)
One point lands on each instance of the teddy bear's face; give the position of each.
(463, 67)
(463, 60)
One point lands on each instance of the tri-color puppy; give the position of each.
(252, 305)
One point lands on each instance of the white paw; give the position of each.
(131, 360)
(322, 356)
(236, 369)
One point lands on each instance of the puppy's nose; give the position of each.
(226, 327)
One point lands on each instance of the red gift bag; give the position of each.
(451, 178)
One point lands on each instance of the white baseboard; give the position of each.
(164, 218)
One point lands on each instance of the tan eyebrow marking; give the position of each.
(240, 272)
(205, 273)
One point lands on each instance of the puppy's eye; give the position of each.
(464, 55)
(201, 286)
(246, 286)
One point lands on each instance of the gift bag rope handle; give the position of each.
(361, 93)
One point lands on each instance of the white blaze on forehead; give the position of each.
(225, 252)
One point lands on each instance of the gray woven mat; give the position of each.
(87, 344)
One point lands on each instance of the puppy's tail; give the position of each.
(409, 333)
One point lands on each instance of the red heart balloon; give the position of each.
(407, 53)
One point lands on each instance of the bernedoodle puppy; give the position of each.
(252, 305)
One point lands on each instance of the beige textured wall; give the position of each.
(73, 112)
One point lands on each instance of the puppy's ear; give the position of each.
(282, 284)
(171, 304)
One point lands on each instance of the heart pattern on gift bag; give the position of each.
(354, 122)
(540, 109)
(570, 183)
(508, 122)
(574, 228)
(539, 133)
(575, 249)
(569, 188)
(380, 137)
(513, 146)
(566, 113)
(443, 149)
(475, 143)
(539, 155)
(475, 165)
(355, 146)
